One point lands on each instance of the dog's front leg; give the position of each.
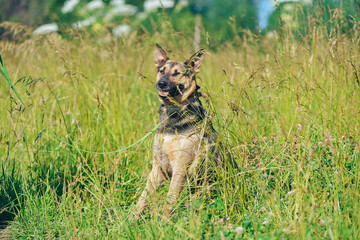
(176, 185)
(156, 177)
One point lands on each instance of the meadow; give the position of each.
(286, 106)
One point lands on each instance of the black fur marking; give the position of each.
(181, 119)
(181, 87)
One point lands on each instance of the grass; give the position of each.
(288, 110)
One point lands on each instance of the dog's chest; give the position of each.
(176, 150)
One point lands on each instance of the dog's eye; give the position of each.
(176, 74)
(181, 87)
(162, 71)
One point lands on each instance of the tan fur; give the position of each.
(174, 157)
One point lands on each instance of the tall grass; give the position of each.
(288, 110)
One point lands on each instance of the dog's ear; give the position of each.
(195, 61)
(160, 56)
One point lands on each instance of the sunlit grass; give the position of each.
(288, 111)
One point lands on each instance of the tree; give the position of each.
(332, 14)
(29, 12)
(226, 18)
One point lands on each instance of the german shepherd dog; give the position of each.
(184, 136)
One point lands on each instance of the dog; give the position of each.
(185, 136)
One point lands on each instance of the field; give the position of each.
(287, 108)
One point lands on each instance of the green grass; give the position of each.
(288, 111)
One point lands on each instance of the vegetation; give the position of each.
(31, 12)
(297, 16)
(286, 107)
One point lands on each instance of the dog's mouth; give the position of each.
(163, 94)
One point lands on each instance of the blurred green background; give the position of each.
(223, 20)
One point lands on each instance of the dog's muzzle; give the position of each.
(166, 88)
(162, 85)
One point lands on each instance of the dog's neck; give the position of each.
(184, 117)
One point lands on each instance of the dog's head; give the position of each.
(175, 81)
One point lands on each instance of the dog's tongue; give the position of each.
(163, 94)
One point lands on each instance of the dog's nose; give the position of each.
(162, 84)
